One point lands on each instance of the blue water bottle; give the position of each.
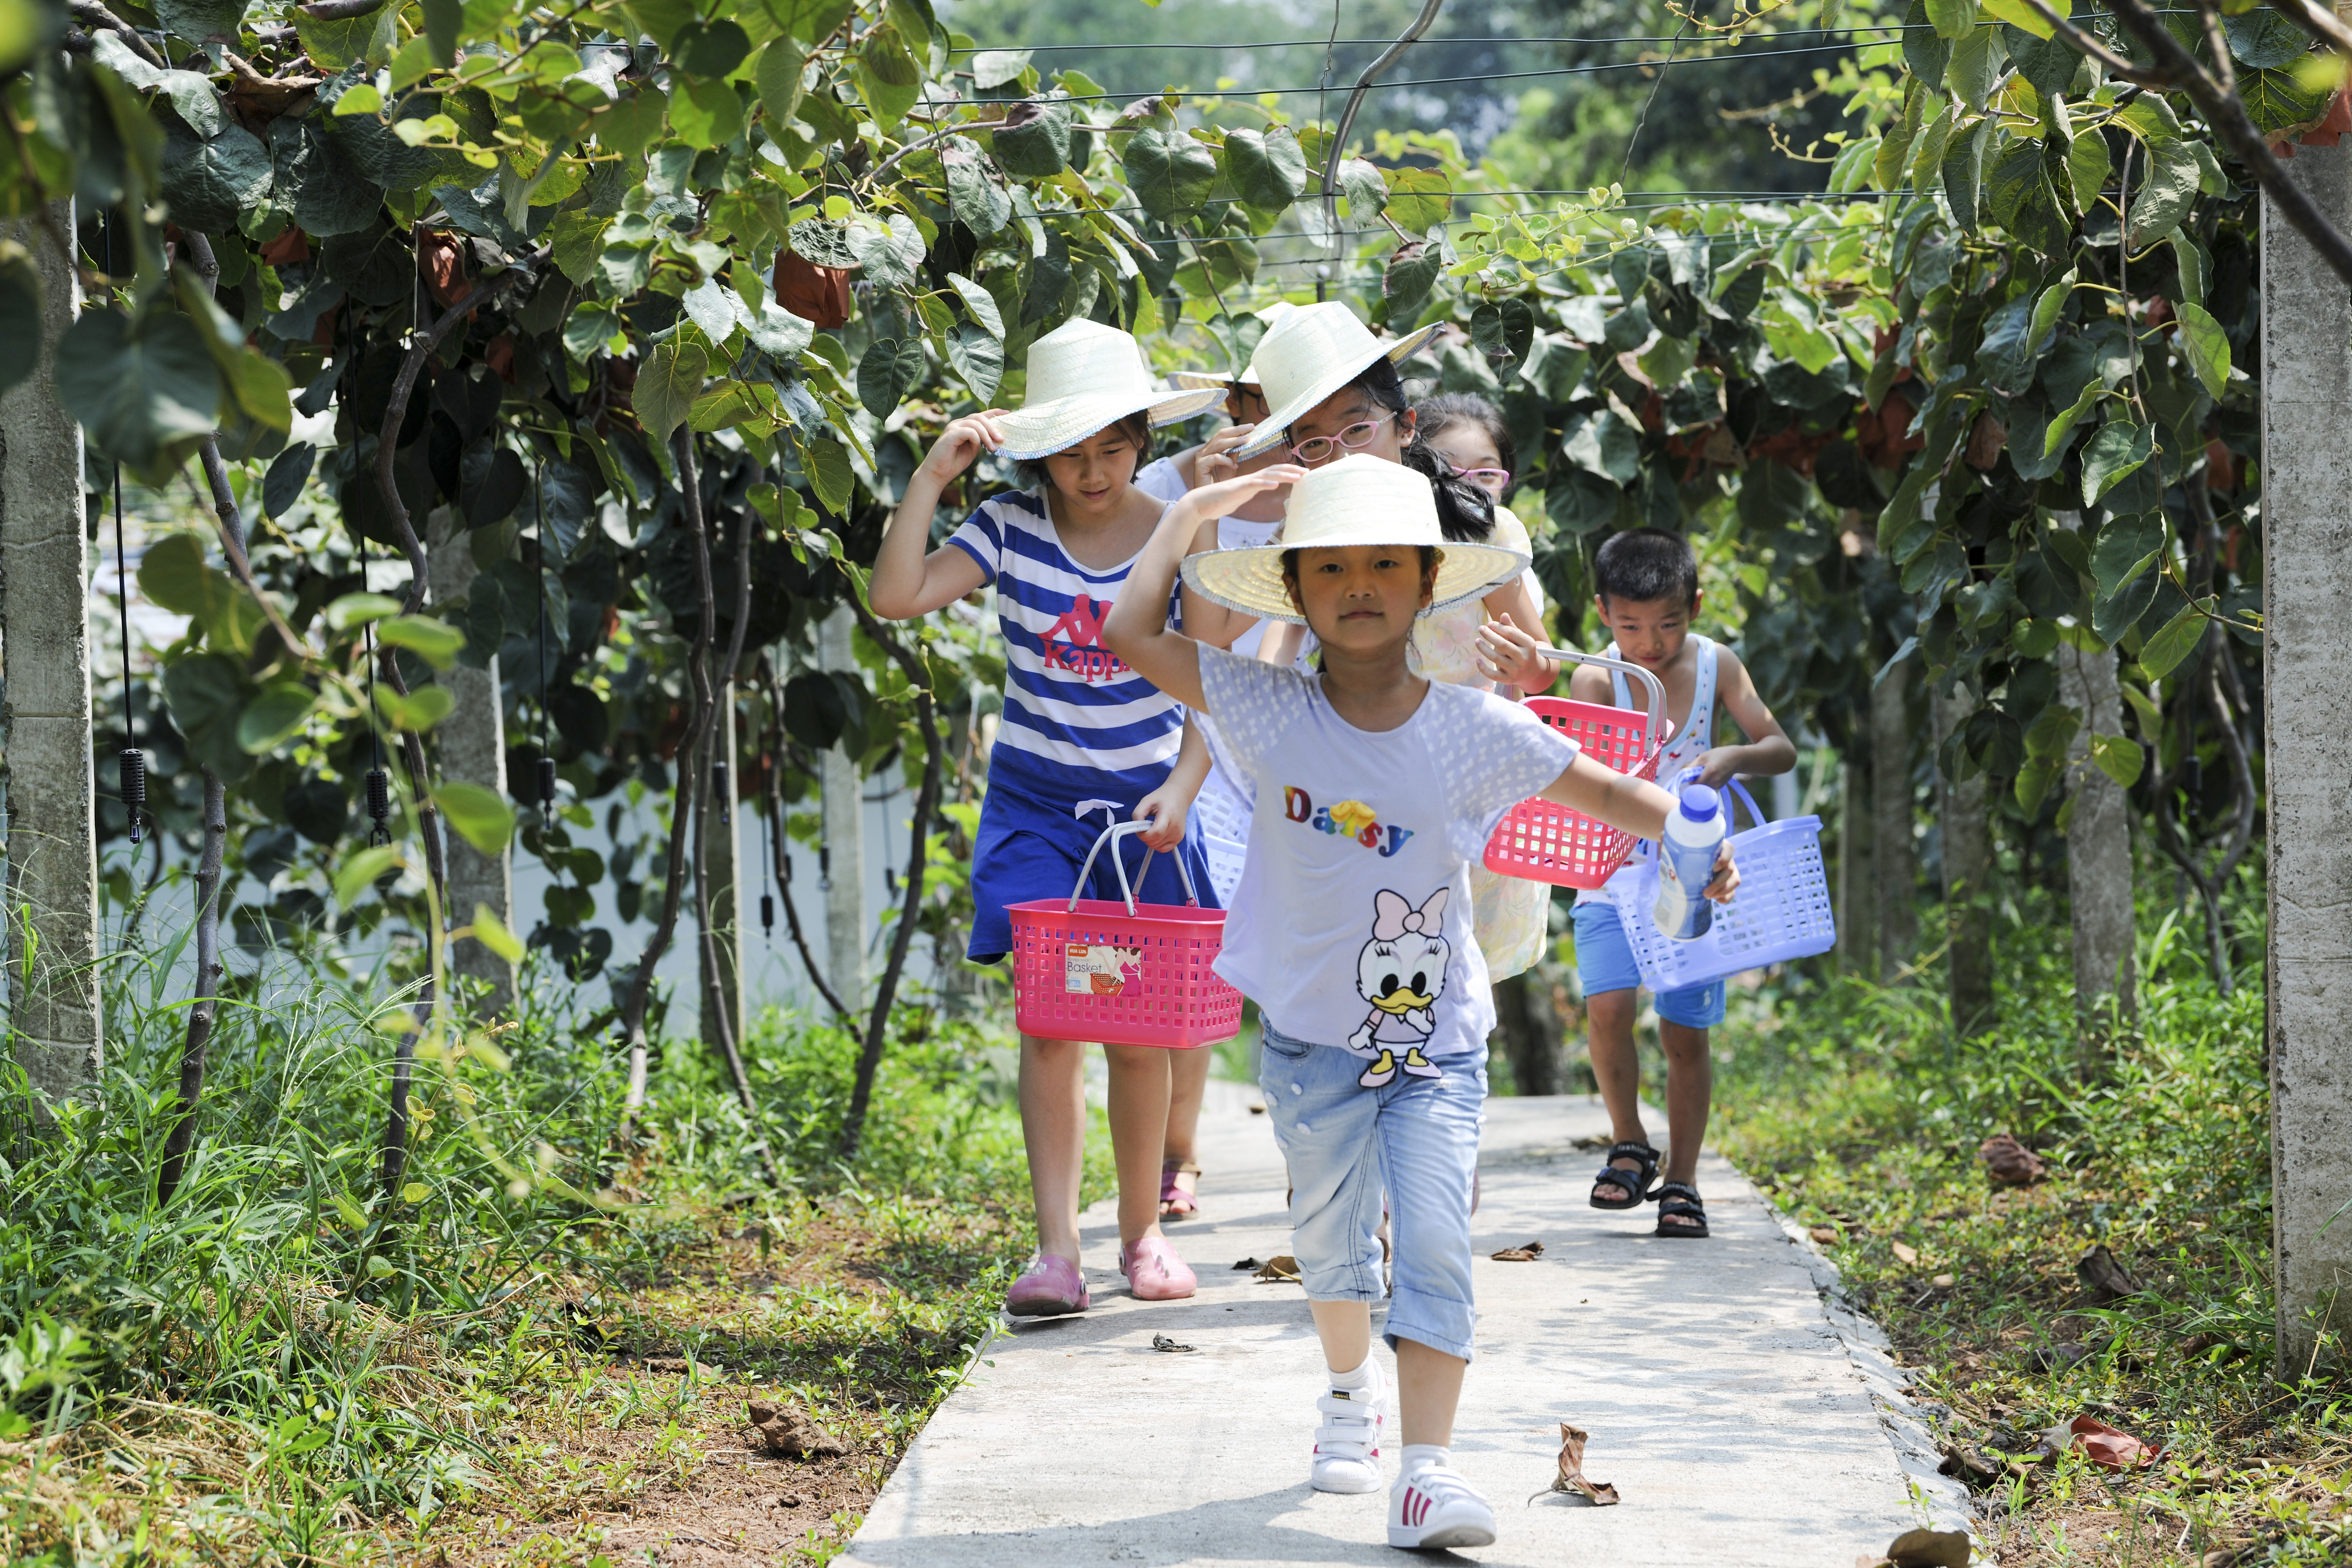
(1687, 855)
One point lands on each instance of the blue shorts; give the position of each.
(1415, 1140)
(1029, 850)
(1604, 961)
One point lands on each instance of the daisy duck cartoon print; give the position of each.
(1402, 973)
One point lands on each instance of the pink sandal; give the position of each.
(1154, 1271)
(1052, 1286)
(1175, 1203)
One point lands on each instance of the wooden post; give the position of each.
(2098, 856)
(1968, 878)
(472, 745)
(1897, 876)
(46, 773)
(2306, 352)
(1856, 910)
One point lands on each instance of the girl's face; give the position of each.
(1360, 598)
(1339, 423)
(1472, 452)
(1092, 477)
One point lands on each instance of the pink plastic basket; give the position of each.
(1121, 973)
(1543, 842)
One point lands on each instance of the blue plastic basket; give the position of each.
(1781, 913)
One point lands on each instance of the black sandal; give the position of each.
(1680, 1200)
(1634, 1184)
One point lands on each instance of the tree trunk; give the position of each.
(1533, 1042)
(1897, 863)
(2308, 727)
(1857, 906)
(2098, 856)
(471, 745)
(205, 1004)
(844, 837)
(1968, 880)
(722, 994)
(47, 774)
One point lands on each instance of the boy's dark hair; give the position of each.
(1135, 426)
(1646, 563)
(1437, 414)
(1463, 510)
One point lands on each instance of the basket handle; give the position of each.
(1623, 667)
(1643, 847)
(1127, 892)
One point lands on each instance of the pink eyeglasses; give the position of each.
(1486, 476)
(1354, 438)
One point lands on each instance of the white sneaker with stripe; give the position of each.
(1434, 1507)
(1347, 1443)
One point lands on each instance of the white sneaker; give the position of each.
(1347, 1443)
(1434, 1507)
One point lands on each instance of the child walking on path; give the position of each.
(1373, 788)
(1648, 595)
(1083, 738)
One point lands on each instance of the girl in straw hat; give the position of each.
(1373, 788)
(1333, 388)
(1082, 733)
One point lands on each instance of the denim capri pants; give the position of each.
(1414, 1139)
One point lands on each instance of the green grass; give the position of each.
(267, 1371)
(1856, 1111)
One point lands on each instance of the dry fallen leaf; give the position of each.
(1825, 1234)
(1281, 1269)
(1601, 1494)
(1906, 1254)
(2010, 1163)
(1527, 1254)
(1943, 1281)
(1162, 1343)
(2109, 1447)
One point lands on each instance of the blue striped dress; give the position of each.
(1078, 724)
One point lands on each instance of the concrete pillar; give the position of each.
(471, 744)
(845, 840)
(1891, 827)
(47, 774)
(1968, 878)
(2098, 853)
(2307, 356)
(722, 860)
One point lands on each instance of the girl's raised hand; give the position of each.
(962, 443)
(1217, 499)
(1508, 657)
(1216, 460)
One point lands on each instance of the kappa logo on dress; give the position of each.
(1402, 973)
(1074, 641)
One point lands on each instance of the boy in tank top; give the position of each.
(1648, 595)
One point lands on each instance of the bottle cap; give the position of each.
(1700, 802)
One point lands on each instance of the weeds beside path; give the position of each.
(1860, 1115)
(502, 1376)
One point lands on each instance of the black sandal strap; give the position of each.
(1635, 1184)
(1681, 1195)
(1632, 1183)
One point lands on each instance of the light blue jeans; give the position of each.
(1414, 1139)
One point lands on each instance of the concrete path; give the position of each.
(1744, 1417)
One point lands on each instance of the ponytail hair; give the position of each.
(1464, 511)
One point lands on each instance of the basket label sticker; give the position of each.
(1099, 968)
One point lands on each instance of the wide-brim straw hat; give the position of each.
(1083, 377)
(1310, 353)
(1248, 377)
(1359, 500)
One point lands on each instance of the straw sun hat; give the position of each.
(1359, 500)
(1248, 377)
(1097, 378)
(1308, 355)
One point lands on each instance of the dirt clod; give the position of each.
(786, 1430)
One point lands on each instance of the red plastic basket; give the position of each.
(1544, 842)
(1124, 973)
